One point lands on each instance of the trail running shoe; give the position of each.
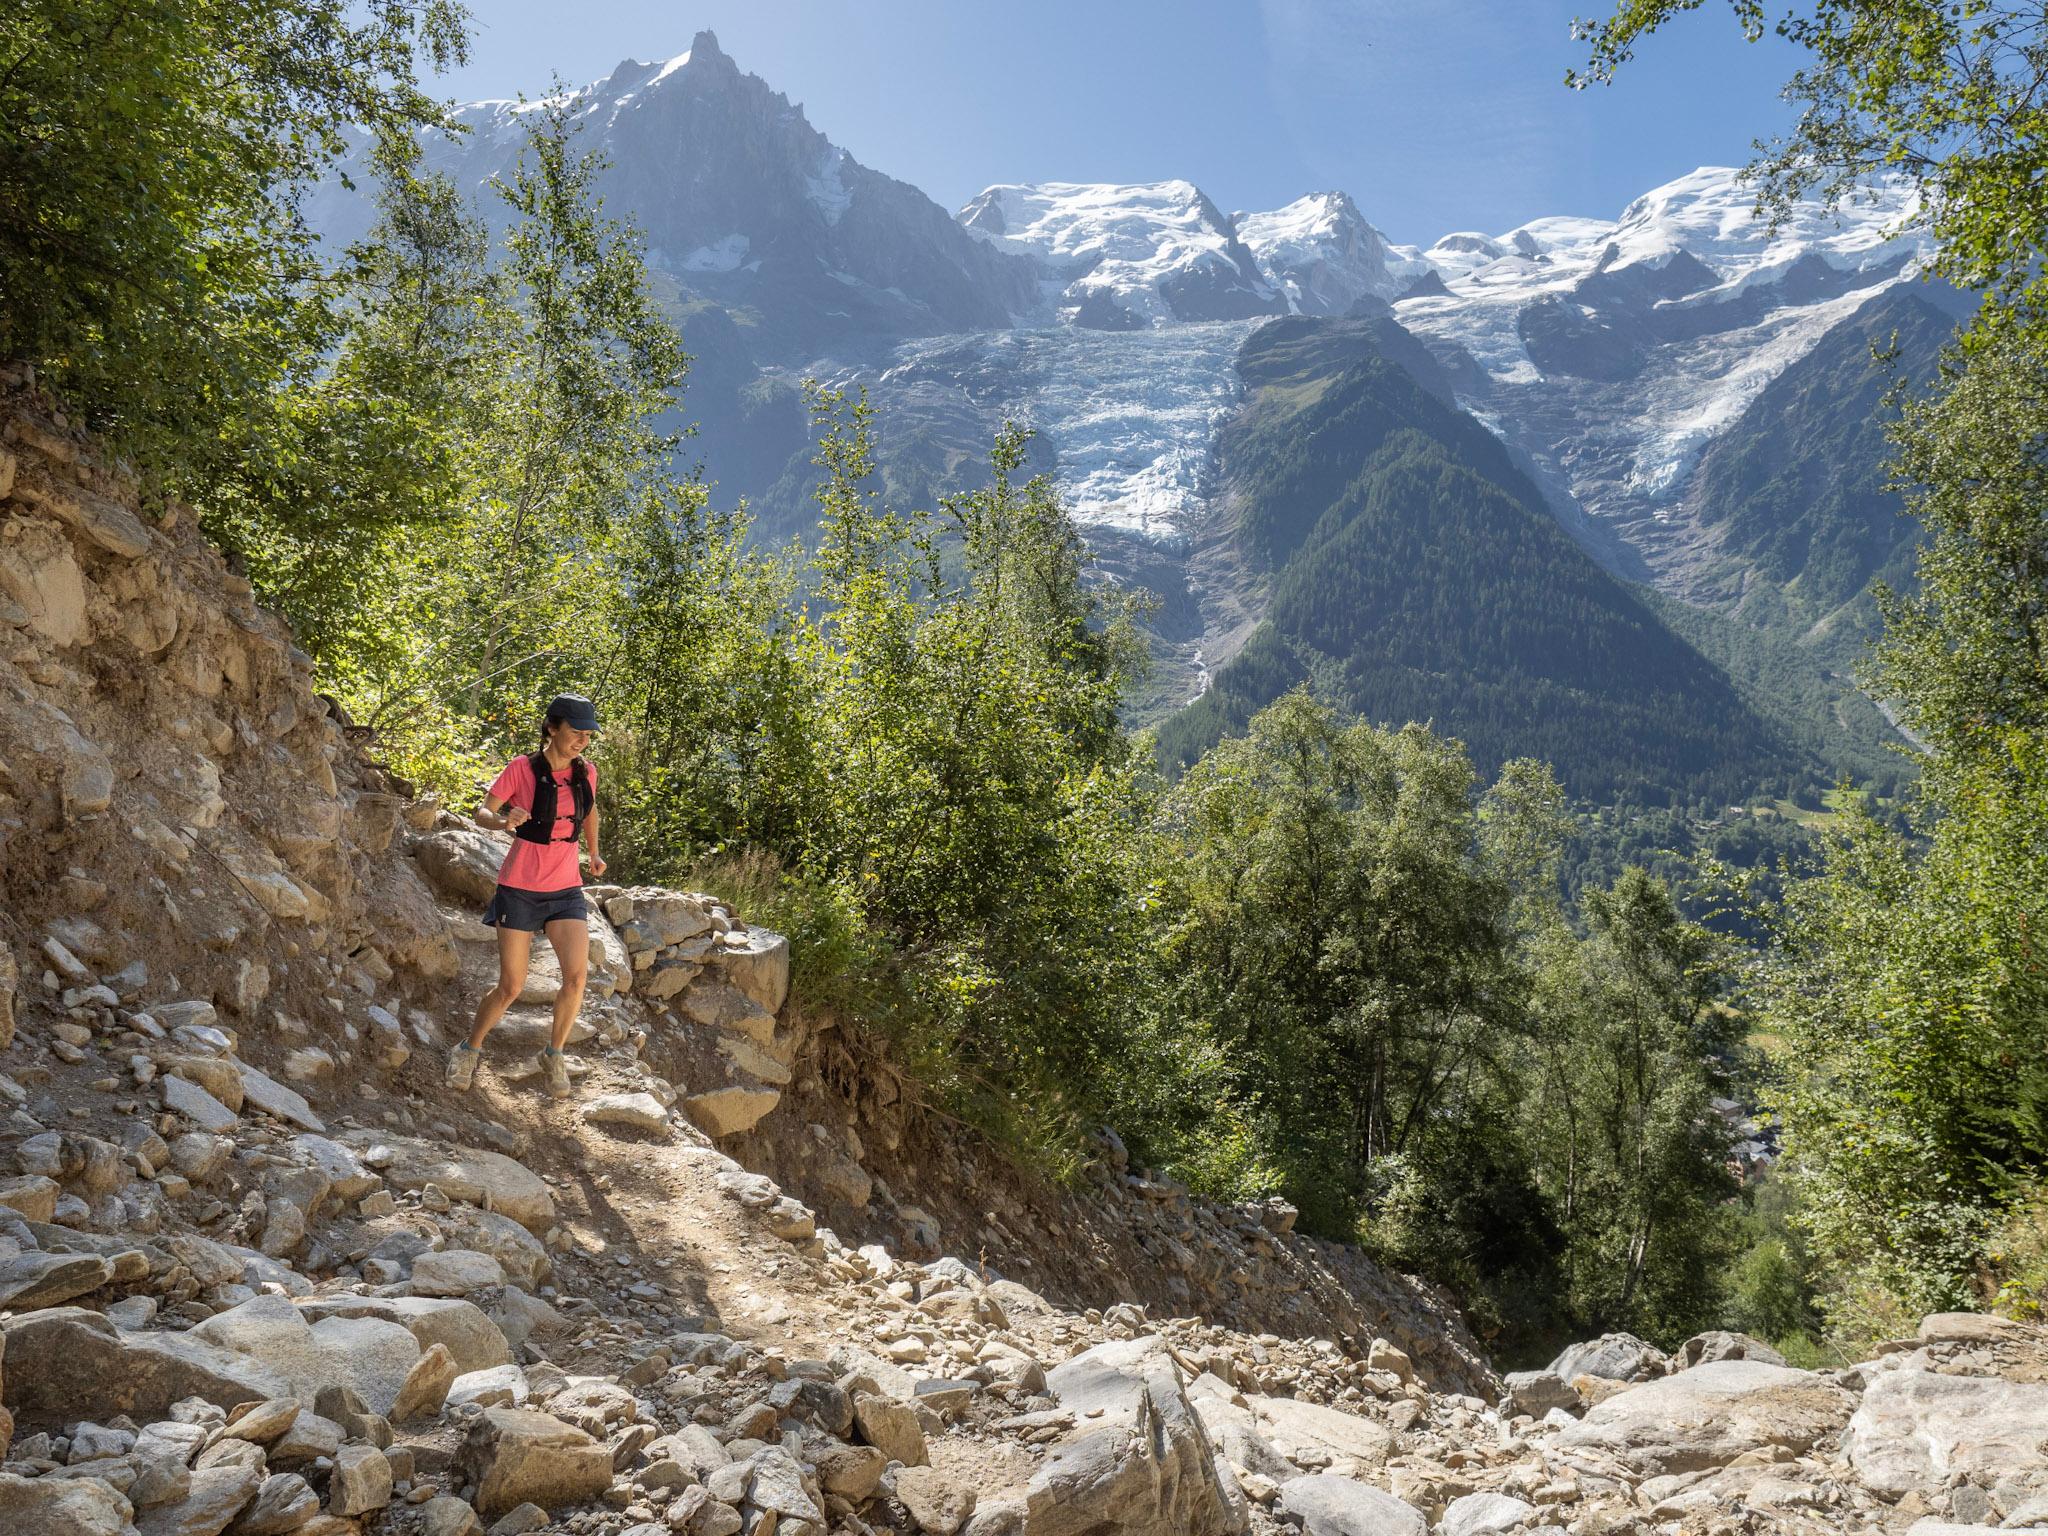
(554, 1067)
(462, 1066)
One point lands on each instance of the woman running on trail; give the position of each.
(546, 801)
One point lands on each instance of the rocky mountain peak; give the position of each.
(1324, 257)
(1123, 256)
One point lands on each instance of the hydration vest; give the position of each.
(537, 826)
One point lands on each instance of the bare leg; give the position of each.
(515, 946)
(571, 938)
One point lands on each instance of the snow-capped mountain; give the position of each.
(1611, 354)
(1607, 352)
(1324, 257)
(744, 203)
(1119, 257)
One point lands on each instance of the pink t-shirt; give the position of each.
(540, 866)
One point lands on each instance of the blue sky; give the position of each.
(1434, 114)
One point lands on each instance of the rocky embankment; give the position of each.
(260, 1274)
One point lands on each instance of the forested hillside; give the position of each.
(1797, 489)
(1415, 574)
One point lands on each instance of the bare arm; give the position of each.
(496, 815)
(590, 841)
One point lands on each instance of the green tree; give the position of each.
(1903, 978)
(977, 797)
(153, 260)
(552, 369)
(337, 468)
(1624, 1139)
(1330, 927)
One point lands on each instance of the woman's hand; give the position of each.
(514, 815)
(596, 865)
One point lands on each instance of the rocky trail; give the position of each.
(261, 1273)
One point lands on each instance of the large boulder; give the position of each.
(66, 1364)
(1482, 1514)
(1235, 1432)
(462, 862)
(455, 1272)
(1916, 1429)
(1300, 1429)
(216, 1495)
(30, 1280)
(1709, 1415)
(1720, 1344)
(470, 1336)
(891, 1426)
(1537, 1392)
(1328, 1505)
(652, 918)
(1612, 1357)
(488, 1179)
(729, 1111)
(756, 962)
(52, 1506)
(370, 1356)
(1140, 1464)
(518, 1252)
(516, 1456)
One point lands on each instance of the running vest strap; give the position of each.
(537, 826)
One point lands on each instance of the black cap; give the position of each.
(573, 710)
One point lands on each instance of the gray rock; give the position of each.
(273, 1098)
(1483, 1514)
(1142, 1465)
(517, 1250)
(778, 1484)
(368, 1355)
(310, 1437)
(487, 1179)
(758, 965)
(466, 1330)
(1297, 1429)
(635, 1111)
(938, 1502)
(64, 1363)
(516, 1456)
(500, 1386)
(217, 1495)
(360, 1482)
(344, 1171)
(31, 1196)
(1537, 1392)
(1720, 1344)
(426, 1386)
(446, 1516)
(1709, 1415)
(518, 1522)
(730, 1111)
(890, 1426)
(162, 1459)
(282, 1504)
(455, 1272)
(266, 1422)
(49, 1506)
(198, 1106)
(1613, 1357)
(1328, 1505)
(31, 1280)
(1916, 1429)
(461, 863)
